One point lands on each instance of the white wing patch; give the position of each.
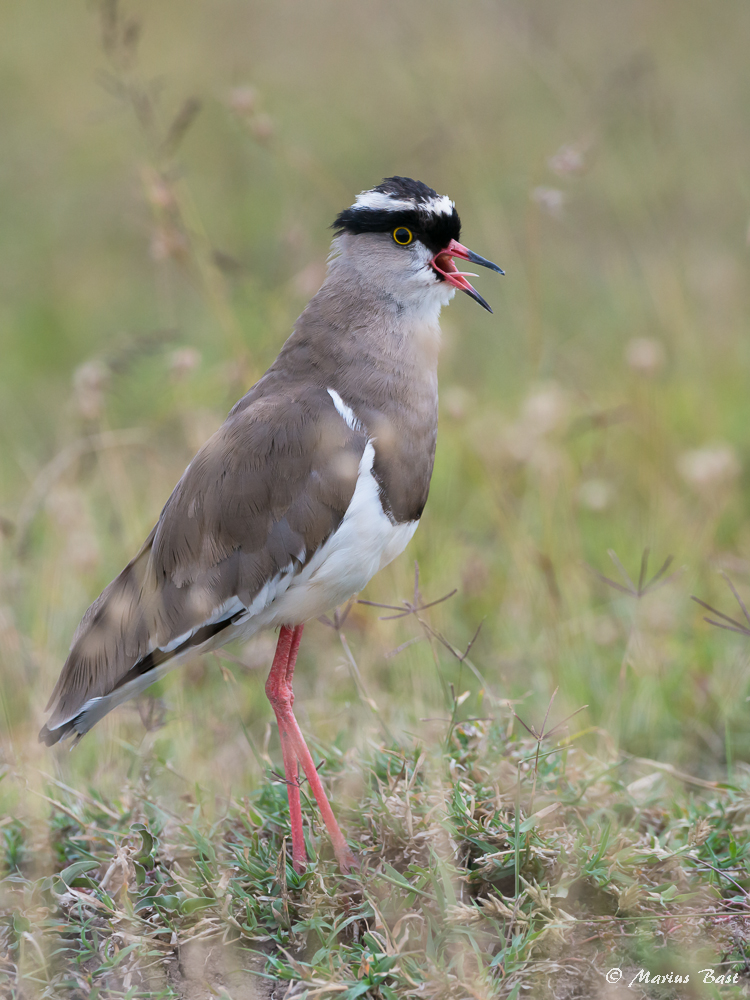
(96, 708)
(363, 543)
(346, 412)
(225, 610)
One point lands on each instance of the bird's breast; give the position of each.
(364, 542)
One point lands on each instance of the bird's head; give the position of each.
(402, 236)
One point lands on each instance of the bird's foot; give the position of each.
(348, 862)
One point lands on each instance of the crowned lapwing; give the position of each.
(316, 480)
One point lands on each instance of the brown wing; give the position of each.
(263, 493)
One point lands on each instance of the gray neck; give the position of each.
(381, 356)
(360, 340)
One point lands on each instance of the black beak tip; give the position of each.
(483, 262)
(474, 294)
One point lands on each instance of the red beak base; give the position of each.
(443, 265)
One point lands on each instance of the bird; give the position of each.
(316, 481)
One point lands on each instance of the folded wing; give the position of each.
(255, 504)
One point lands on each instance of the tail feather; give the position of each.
(141, 675)
(124, 644)
(52, 736)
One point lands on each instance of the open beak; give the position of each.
(443, 264)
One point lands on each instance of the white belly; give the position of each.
(363, 543)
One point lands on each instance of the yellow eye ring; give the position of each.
(402, 236)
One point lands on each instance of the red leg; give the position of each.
(275, 686)
(281, 696)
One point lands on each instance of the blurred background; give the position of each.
(168, 177)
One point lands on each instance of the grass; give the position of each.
(170, 173)
(486, 867)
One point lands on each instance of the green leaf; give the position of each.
(148, 842)
(168, 903)
(396, 878)
(384, 962)
(356, 991)
(121, 954)
(198, 903)
(140, 874)
(203, 844)
(71, 874)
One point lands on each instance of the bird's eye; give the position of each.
(402, 236)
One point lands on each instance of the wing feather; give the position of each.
(263, 494)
